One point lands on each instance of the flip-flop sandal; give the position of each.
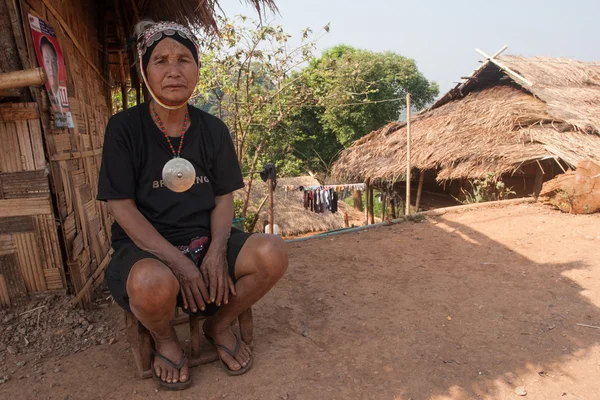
(233, 354)
(166, 385)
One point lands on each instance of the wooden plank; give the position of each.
(10, 159)
(11, 225)
(62, 143)
(37, 144)
(76, 155)
(29, 262)
(9, 113)
(4, 297)
(53, 278)
(76, 246)
(7, 244)
(25, 148)
(15, 284)
(26, 184)
(49, 231)
(25, 207)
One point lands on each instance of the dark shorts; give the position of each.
(127, 254)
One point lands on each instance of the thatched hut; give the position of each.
(516, 116)
(54, 236)
(289, 213)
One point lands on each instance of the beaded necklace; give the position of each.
(178, 174)
(164, 131)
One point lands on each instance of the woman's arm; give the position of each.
(147, 238)
(214, 268)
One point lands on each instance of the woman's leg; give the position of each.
(261, 262)
(152, 289)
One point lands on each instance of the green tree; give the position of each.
(361, 90)
(353, 93)
(247, 80)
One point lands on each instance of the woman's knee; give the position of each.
(151, 285)
(272, 257)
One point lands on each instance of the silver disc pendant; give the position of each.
(179, 174)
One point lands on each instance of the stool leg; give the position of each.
(140, 340)
(246, 326)
(195, 336)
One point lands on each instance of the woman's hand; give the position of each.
(193, 287)
(216, 273)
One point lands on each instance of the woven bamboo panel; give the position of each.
(30, 256)
(74, 154)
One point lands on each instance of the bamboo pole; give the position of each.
(270, 211)
(23, 78)
(420, 189)
(407, 212)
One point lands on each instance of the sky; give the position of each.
(441, 35)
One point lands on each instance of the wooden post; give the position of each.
(125, 97)
(371, 212)
(357, 197)
(270, 211)
(539, 181)
(383, 206)
(23, 78)
(392, 208)
(407, 154)
(367, 201)
(195, 336)
(420, 189)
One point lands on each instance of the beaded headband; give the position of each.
(154, 34)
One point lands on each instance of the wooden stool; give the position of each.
(141, 341)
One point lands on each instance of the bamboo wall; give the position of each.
(30, 257)
(73, 156)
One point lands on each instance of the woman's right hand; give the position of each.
(193, 288)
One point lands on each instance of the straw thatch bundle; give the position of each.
(494, 122)
(290, 215)
(195, 13)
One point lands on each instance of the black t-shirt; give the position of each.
(134, 154)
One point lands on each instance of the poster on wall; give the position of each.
(50, 57)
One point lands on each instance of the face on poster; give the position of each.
(50, 57)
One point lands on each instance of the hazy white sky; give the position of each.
(441, 35)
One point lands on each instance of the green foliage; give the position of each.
(360, 90)
(117, 99)
(246, 79)
(488, 188)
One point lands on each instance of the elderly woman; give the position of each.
(168, 172)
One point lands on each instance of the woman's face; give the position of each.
(172, 72)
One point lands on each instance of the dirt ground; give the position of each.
(464, 306)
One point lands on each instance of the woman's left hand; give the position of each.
(215, 271)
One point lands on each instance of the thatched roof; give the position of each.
(196, 14)
(290, 215)
(495, 121)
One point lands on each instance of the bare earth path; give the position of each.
(464, 306)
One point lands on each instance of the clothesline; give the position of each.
(336, 187)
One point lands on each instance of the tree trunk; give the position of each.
(392, 209)
(358, 203)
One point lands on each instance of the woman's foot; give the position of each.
(222, 334)
(170, 349)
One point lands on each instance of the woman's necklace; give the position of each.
(178, 174)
